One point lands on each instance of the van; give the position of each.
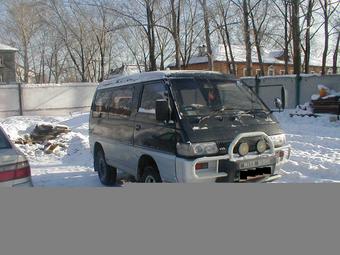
(184, 126)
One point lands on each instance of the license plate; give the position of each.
(256, 163)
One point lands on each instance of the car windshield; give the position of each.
(200, 97)
(4, 144)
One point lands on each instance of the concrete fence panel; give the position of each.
(57, 99)
(308, 87)
(49, 99)
(9, 100)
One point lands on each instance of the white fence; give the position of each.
(46, 99)
(63, 99)
(308, 87)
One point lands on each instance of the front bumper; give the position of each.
(226, 168)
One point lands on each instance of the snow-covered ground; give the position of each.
(315, 149)
(315, 155)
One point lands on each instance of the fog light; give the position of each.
(243, 149)
(261, 146)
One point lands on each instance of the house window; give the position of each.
(245, 72)
(1, 78)
(258, 72)
(271, 72)
(312, 72)
(282, 72)
(330, 72)
(1, 61)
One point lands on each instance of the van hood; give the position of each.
(226, 128)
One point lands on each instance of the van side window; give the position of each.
(102, 100)
(121, 102)
(151, 94)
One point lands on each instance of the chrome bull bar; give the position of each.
(268, 153)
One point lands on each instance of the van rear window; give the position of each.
(4, 144)
(102, 101)
(121, 102)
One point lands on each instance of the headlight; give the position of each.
(243, 149)
(278, 140)
(261, 146)
(196, 149)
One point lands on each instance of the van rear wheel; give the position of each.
(107, 174)
(151, 175)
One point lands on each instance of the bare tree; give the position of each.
(23, 23)
(258, 12)
(308, 36)
(284, 7)
(336, 54)
(191, 30)
(222, 24)
(296, 36)
(206, 18)
(244, 9)
(328, 9)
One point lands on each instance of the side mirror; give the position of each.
(278, 104)
(162, 110)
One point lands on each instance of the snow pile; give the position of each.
(70, 165)
(330, 93)
(304, 109)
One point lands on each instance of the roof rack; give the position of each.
(153, 76)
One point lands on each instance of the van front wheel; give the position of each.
(151, 175)
(107, 174)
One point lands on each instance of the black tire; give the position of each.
(107, 174)
(151, 175)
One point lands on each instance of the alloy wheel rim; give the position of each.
(150, 179)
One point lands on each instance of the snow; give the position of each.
(7, 48)
(269, 56)
(315, 150)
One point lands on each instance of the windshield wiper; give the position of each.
(215, 113)
(258, 112)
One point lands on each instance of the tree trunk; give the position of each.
(257, 44)
(207, 35)
(326, 26)
(296, 36)
(286, 49)
(232, 59)
(151, 37)
(26, 64)
(336, 55)
(307, 39)
(247, 42)
(176, 31)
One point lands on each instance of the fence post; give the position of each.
(20, 100)
(257, 85)
(298, 89)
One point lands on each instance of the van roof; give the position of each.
(158, 75)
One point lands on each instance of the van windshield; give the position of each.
(200, 97)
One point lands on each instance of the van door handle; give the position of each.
(138, 127)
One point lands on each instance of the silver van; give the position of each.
(184, 126)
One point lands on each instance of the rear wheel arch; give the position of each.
(144, 161)
(97, 147)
